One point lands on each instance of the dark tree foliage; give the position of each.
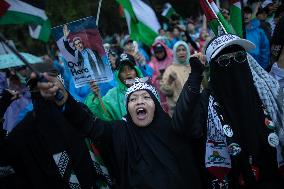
(62, 11)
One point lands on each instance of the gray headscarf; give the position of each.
(179, 43)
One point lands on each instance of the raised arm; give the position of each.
(66, 32)
(76, 113)
(188, 99)
(90, 126)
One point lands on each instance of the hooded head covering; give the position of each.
(158, 65)
(150, 143)
(177, 44)
(161, 64)
(155, 151)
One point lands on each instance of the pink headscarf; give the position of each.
(157, 65)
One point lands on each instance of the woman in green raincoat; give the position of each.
(112, 105)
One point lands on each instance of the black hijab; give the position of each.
(156, 157)
(44, 133)
(233, 88)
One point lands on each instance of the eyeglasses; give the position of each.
(225, 59)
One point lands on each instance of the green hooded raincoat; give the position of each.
(113, 101)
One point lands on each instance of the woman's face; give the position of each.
(181, 53)
(141, 108)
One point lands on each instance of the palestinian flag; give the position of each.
(168, 10)
(142, 22)
(215, 18)
(20, 12)
(236, 17)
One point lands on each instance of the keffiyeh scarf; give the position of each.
(270, 94)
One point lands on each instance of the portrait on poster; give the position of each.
(81, 46)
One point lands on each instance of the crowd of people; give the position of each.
(191, 111)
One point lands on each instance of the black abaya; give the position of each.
(156, 156)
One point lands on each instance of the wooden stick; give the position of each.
(102, 103)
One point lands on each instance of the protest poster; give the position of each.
(81, 46)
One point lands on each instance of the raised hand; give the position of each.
(200, 56)
(197, 63)
(66, 31)
(50, 87)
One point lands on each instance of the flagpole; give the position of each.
(58, 95)
(98, 13)
(21, 57)
(216, 17)
(243, 23)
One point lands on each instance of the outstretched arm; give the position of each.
(189, 98)
(80, 116)
(76, 113)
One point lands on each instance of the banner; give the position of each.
(81, 45)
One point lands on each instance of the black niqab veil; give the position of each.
(233, 88)
(156, 157)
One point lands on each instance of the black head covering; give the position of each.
(156, 157)
(233, 88)
(148, 143)
(123, 59)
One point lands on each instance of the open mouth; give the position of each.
(129, 80)
(141, 113)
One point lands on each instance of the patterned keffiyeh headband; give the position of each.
(141, 84)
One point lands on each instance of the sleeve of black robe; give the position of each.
(101, 132)
(68, 48)
(189, 98)
(80, 116)
(5, 102)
